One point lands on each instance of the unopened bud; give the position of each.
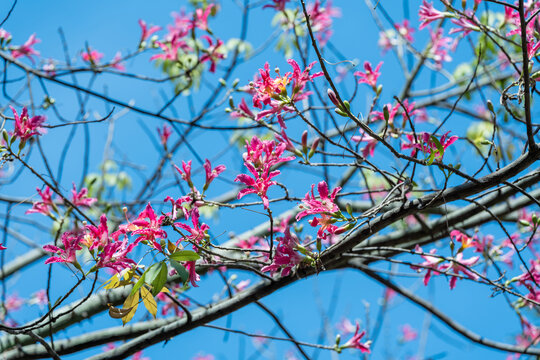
(304, 140)
(235, 82)
(332, 96)
(314, 147)
(386, 113)
(490, 106)
(222, 82)
(5, 135)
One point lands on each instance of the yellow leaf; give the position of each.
(165, 290)
(132, 302)
(149, 301)
(111, 283)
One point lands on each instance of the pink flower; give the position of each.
(439, 47)
(186, 173)
(170, 49)
(325, 207)
(97, 236)
(243, 111)
(149, 227)
(426, 144)
(81, 198)
(369, 150)
(259, 159)
(211, 174)
(204, 357)
(139, 356)
(197, 232)
(465, 241)
(5, 36)
(92, 57)
(345, 326)
(43, 206)
(279, 5)
(2, 247)
(258, 184)
(405, 30)
(321, 20)
(116, 62)
(201, 17)
(464, 24)
(273, 91)
(114, 255)
(164, 134)
(242, 285)
(39, 298)
(13, 302)
(431, 263)
(286, 257)
(355, 343)
(265, 153)
(193, 276)
(370, 76)
(26, 48)
(169, 304)
(69, 253)
(25, 126)
(408, 333)
(211, 53)
(385, 42)
(429, 14)
(459, 265)
(146, 33)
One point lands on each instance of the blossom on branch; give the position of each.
(44, 206)
(370, 76)
(26, 48)
(68, 254)
(26, 126)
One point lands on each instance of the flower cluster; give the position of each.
(177, 45)
(273, 92)
(436, 265)
(286, 256)
(429, 144)
(324, 206)
(44, 207)
(260, 157)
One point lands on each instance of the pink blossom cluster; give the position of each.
(286, 255)
(324, 206)
(453, 267)
(427, 145)
(276, 92)
(44, 207)
(321, 18)
(175, 43)
(259, 158)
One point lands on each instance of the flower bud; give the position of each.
(314, 147)
(304, 140)
(333, 98)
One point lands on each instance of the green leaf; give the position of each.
(185, 255)
(138, 284)
(181, 270)
(438, 145)
(157, 277)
